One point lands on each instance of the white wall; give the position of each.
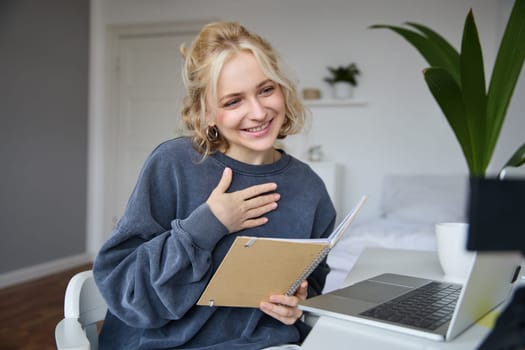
(400, 130)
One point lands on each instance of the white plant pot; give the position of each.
(342, 90)
(454, 258)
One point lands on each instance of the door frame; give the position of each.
(103, 118)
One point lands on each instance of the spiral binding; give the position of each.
(308, 271)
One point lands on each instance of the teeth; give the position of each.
(259, 128)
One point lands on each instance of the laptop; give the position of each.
(399, 302)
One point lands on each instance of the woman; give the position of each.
(195, 194)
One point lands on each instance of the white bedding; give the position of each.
(411, 205)
(387, 233)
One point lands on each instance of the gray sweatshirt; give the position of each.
(168, 244)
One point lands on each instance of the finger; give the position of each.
(260, 211)
(225, 181)
(258, 206)
(261, 200)
(287, 301)
(302, 291)
(254, 222)
(282, 313)
(257, 190)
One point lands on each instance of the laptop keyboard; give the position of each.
(428, 307)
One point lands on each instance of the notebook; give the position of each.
(383, 300)
(256, 267)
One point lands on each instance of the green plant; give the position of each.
(346, 74)
(457, 82)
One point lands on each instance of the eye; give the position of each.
(231, 103)
(267, 90)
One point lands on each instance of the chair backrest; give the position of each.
(83, 299)
(84, 304)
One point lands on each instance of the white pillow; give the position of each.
(425, 198)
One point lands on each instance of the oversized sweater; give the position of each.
(167, 245)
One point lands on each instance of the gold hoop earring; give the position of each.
(212, 133)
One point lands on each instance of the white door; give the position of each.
(147, 94)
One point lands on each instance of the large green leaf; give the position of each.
(506, 72)
(458, 84)
(473, 92)
(431, 50)
(450, 54)
(448, 96)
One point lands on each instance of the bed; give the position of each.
(410, 207)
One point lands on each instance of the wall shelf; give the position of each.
(334, 103)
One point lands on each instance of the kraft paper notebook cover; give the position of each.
(256, 267)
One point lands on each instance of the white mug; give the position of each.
(455, 260)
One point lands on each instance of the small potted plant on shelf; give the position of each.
(343, 79)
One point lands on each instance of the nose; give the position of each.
(257, 110)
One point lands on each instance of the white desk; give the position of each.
(334, 334)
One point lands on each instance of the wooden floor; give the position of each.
(29, 311)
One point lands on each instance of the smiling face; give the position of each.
(250, 110)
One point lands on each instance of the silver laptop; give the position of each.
(399, 303)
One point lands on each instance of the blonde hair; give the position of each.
(203, 61)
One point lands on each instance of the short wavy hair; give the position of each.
(203, 61)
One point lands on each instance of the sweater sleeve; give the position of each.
(152, 270)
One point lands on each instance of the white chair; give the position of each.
(83, 308)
